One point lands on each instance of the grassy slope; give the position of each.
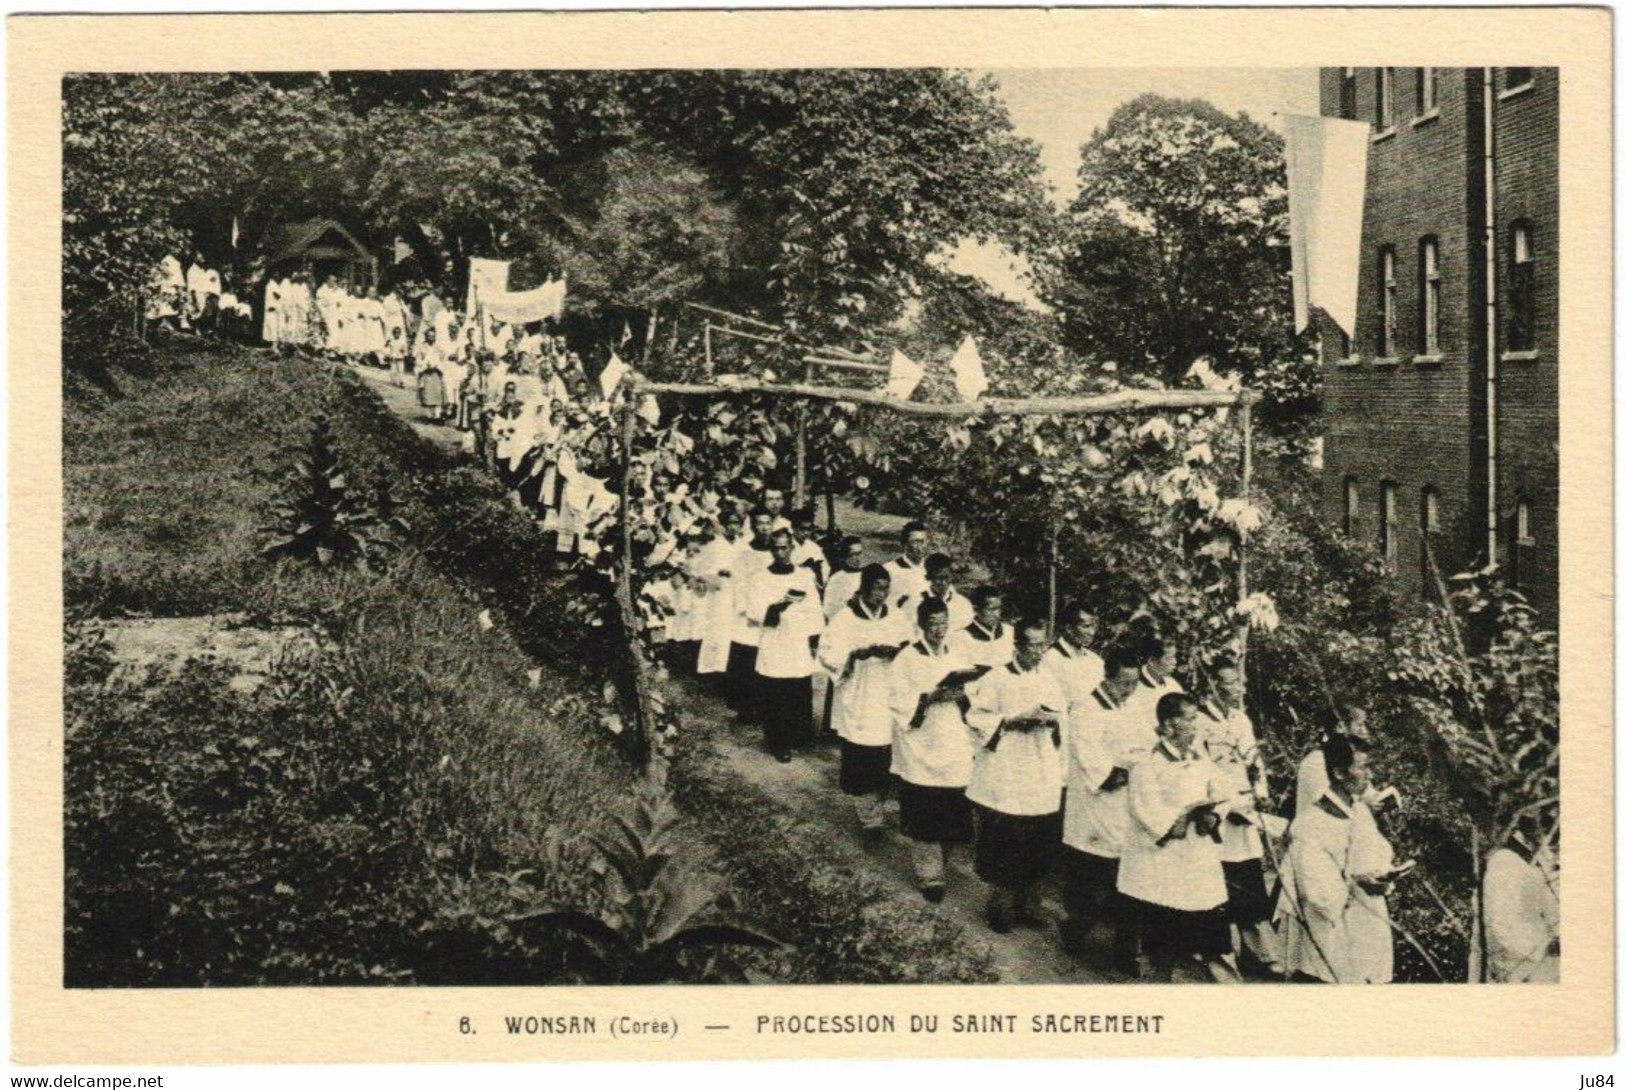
(165, 488)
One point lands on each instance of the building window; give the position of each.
(1351, 506)
(1388, 523)
(1347, 105)
(1387, 288)
(1429, 525)
(1427, 91)
(1521, 289)
(1514, 78)
(1428, 308)
(1523, 545)
(1385, 99)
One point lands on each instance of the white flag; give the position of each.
(903, 377)
(612, 374)
(487, 282)
(1325, 178)
(969, 377)
(649, 410)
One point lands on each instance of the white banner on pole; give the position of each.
(969, 377)
(488, 288)
(903, 377)
(1325, 171)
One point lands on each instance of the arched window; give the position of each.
(1387, 303)
(1428, 285)
(1351, 506)
(1520, 287)
(1388, 523)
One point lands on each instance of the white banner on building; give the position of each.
(1325, 178)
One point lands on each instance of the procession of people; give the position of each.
(1044, 756)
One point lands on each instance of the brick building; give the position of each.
(1416, 416)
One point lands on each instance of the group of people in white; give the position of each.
(1151, 805)
(198, 299)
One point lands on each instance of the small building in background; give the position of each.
(1434, 397)
(322, 248)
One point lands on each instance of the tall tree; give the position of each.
(1176, 249)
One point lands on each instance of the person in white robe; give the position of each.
(939, 584)
(713, 572)
(782, 605)
(331, 305)
(907, 570)
(1226, 735)
(1312, 780)
(1334, 911)
(1522, 916)
(932, 752)
(201, 283)
(1170, 874)
(166, 291)
(843, 581)
(857, 649)
(754, 555)
(1015, 721)
(300, 319)
(454, 368)
(1076, 668)
(986, 640)
(1158, 659)
(271, 329)
(807, 553)
(1106, 734)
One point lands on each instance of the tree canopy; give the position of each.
(1176, 249)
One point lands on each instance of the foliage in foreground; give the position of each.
(406, 786)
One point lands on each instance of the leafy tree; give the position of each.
(660, 234)
(1176, 249)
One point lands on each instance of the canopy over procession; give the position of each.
(1041, 756)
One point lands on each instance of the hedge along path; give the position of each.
(647, 705)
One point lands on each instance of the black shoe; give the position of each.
(783, 756)
(933, 894)
(873, 835)
(998, 920)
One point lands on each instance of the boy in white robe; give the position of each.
(754, 555)
(986, 640)
(843, 581)
(1158, 659)
(782, 604)
(1170, 873)
(1106, 734)
(857, 649)
(1226, 736)
(1335, 913)
(712, 573)
(1076, 669)
(1015, 721)
(907, 571)
(932, 753)
(939, 585)
(807, 553)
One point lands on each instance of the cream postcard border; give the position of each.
(54, 1025)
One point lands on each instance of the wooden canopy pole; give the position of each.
(1241, 537)
(1096, 405)
(625, 591)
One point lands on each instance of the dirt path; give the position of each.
(807, 789)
